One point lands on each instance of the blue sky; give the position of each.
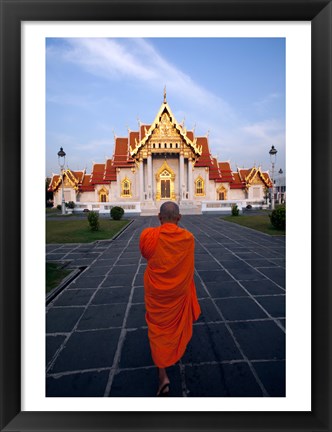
(231, 88)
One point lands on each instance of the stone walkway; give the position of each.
(96, 335)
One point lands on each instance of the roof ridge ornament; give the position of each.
(165, 101)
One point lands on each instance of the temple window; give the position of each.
(102, 195)
(126, 188)
(199, 187)
(221, 194)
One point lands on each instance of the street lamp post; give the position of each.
(280, 172)
(273, 154)
(61, 160)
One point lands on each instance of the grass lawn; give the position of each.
(78, 231)
(258, 222)
(54, 275)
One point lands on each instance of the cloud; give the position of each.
(268, 131)
(264, 104)
(138, 60)
(231, 136)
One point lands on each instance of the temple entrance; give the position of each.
(165, 189)
(165, 183)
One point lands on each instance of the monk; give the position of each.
(169, 290)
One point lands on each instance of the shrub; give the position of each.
(235, 210)
(70, 204)
(249, 207)
(93, 218)
(59, 207)
(278, 218)
(117, 213)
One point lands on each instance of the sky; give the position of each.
(232, 89)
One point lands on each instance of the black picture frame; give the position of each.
(12, 13)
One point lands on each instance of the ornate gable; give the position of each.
(256, 177)
(166, 132)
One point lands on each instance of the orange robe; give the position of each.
(169, 291)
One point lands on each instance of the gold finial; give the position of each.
(165, 94)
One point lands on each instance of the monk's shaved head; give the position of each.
(169, 212)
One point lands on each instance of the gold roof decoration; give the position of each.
(165, 127)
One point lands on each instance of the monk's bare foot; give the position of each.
(163, 389)
(163, 382)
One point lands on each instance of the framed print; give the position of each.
(19, 186)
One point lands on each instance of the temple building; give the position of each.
(160, 162)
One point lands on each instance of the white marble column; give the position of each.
(141, 179)
(190, 178)
(181, 176)
(149, 177)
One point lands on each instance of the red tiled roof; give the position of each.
(225, 172)
(97, 175)
(121, 157)
(190, 135)
(206, 160)
(110, 171)
(237, 183)
(86, 185)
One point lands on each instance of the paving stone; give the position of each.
(260, 339)
(276, 274)
(258, 263)
(246, 273)
(272, 374)
(262, 287)
(136, 316)
(138, 295)
(128, 261)
(85, 281)
(275, 305)
(53, 343)
(103, 316)
(215, 276)
(225, 289)
(243, 308)
(207, 265)
(136, 350)
(142, 268)
(200, 290)
(208, 311)
(103, 263)
(107, 296)
(202, 257)
(88, 384)
(139, 279)
(97, 271)
(71, 297)
(113, 280)
(124, 269)
(55, 256)
(223, 380)
(62, 319)
(211, 342)
(81, 351)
